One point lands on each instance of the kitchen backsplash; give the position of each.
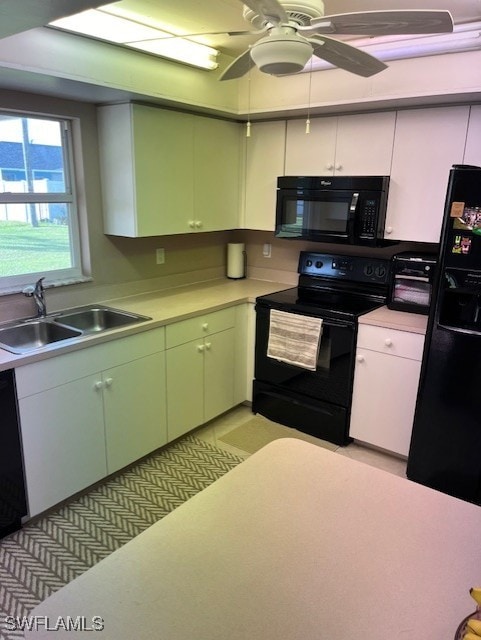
(189, 258)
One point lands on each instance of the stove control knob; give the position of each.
(308, 263)
(319, 264)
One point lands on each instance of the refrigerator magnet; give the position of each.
(462, 244)
(457, 209)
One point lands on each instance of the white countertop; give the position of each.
(171, 305)
(295, 542)
(164, 307)
(384, 317)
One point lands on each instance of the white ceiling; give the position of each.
(199, 16)
(183, 17)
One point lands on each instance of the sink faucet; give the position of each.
(37, 292)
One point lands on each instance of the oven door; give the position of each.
(322, 215)
(331, 382)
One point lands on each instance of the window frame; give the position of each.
(54, 277)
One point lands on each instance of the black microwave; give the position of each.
(349, 210)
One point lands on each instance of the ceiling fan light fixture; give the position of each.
(281, 56)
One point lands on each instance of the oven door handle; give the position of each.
(334, 323)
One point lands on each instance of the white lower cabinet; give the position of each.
(386, 379)
(201, 370)
(89, 413)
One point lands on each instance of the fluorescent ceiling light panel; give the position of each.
(110, 28)
(465, 37)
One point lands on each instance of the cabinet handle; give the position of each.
(208, 345)
(200, 348)
(388, 230)
(205, 326)
(98, 385)
(388, 342)
(360, 358)
(108, 382)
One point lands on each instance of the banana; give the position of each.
(474, 626)
(475, 593)
(470, 636)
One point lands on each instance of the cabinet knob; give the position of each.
(205, 326)
(360, 358)
(108, 382)
(338, 166)
(208, 345)
(200, 348)
(192, 224)
(198, 224)
(98, 385)
(329, 166)
(388, 342)
(388, 230)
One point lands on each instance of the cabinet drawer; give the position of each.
(392, 341)
(47, 374)
(198, 327)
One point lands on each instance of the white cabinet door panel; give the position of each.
(426, 145)
(472, 154)
(265, 151)
(384, 399)
(135, 410)
(63, 442)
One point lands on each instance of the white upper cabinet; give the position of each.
(311, 153)
(165, 172)
(217, 157)
(265, 151)
(472, 153)
(427, 143)
(344, 146)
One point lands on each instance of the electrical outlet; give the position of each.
(267, 250)
(160, 256)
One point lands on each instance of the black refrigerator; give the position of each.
(445, 451)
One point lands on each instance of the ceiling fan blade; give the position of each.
(239, 67)
(346, 57)
(384, 23)
(272, 10)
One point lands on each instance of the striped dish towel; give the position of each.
(294, 339)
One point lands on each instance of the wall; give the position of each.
(440, 79)
(282, 265)
(51, 62)
(125, 266)
(118, 266)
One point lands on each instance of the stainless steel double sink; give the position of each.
(26, 335)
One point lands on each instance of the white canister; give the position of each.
(236, 260)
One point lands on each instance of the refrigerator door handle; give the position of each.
(451, 329)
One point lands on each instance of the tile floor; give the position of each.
(214, 430)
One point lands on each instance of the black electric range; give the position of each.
(336, 289)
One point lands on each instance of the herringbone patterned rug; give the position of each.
(47, 554)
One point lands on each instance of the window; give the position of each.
(39, 233)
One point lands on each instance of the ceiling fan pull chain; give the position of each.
(248, 127)
(308, 121)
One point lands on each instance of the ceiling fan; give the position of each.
(295, 31)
